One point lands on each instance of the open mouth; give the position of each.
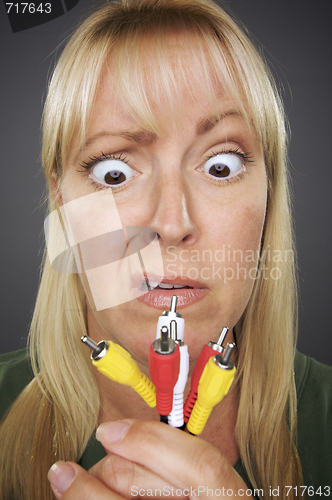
(148, 285)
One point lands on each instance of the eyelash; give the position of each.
(88, 165)
(246, 157)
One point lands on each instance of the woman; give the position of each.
(161, 114)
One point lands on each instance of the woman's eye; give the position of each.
(112, 172)
(223, 165)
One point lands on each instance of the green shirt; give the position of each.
(314, 393)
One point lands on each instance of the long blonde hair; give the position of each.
(56, 414)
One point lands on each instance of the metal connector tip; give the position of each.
(217, 346)
(92, 344)
(172, 308)
(222, 335)
(164, 345)
(228, 352)
(164, 339)
(174, 302)
(173, 330)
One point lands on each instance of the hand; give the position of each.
(144, 457)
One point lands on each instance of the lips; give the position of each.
(159, 292)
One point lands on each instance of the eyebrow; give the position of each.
(146, 137)
(140, 137)
(205, 125)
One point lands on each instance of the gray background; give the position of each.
(296, 36)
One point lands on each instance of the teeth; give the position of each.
(165, 285)
(153, 284)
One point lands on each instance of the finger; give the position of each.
(183, 460)
(129, 479)
(70, 482)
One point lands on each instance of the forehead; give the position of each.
(191, 102)
(163, 85)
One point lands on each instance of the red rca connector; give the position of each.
(208, 351)
(164, 362)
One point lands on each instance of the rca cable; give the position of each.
(117, 364)
(214, 384)
(172, 322)
(169, 366)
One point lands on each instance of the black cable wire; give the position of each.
(164, 418)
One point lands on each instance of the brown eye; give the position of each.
(112, 172)
(115, 177)
(223, 165)
(219, 170)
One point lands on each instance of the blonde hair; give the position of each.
(56, 414)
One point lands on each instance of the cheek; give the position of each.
(232, 231)
(241, 242)
(245, 229)
(237, 224)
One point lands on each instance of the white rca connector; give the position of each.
(175, 418)
(166, 318)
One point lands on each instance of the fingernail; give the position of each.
(61, 476)
(112, 432)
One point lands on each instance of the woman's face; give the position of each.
(201, 187)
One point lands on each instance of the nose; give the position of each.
(174, 209)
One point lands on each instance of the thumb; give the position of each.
(69, 481)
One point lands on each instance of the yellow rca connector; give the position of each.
(117, 364)
(214, 384)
